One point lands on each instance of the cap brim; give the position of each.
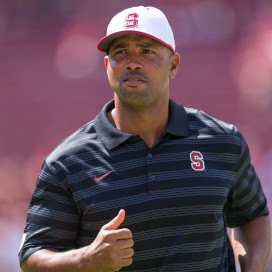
(104, 44)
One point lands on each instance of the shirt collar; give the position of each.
(111, 137)
(178, 122)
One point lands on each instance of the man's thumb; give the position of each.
(116, 221)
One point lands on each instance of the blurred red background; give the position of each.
(53, 80)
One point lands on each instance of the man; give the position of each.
(174, 177)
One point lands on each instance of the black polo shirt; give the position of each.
(179, 196)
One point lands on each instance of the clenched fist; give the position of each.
(112, 248)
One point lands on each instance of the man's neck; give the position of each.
(147, 123)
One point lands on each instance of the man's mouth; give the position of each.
(133, 80)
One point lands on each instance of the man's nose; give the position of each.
(134, 62)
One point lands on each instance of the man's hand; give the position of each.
(112, 248)
(110, 251)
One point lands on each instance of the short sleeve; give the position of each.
(246, 200)
(52, 219)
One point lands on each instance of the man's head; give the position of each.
(148, 21)
(140, 57)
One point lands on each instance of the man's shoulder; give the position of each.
(198, 120)
(75, 143)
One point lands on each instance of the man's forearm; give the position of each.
(252, 244)
(110, 251)
(48, 260)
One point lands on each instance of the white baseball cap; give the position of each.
(148, 21)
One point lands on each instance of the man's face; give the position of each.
(139, 69)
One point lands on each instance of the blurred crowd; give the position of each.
(52, 81)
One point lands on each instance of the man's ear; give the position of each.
(106, 61)
(175, 60)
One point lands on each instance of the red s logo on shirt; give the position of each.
(197, 161)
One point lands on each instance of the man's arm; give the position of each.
(110, 251)
(252, 243)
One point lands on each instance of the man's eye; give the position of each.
(120, 52)
(148, 51)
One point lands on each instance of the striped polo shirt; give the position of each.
(179, 196)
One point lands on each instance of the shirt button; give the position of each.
(149, 155)
(152, 177)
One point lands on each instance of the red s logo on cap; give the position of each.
(131, 20)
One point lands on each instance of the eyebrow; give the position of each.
(139, 45)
